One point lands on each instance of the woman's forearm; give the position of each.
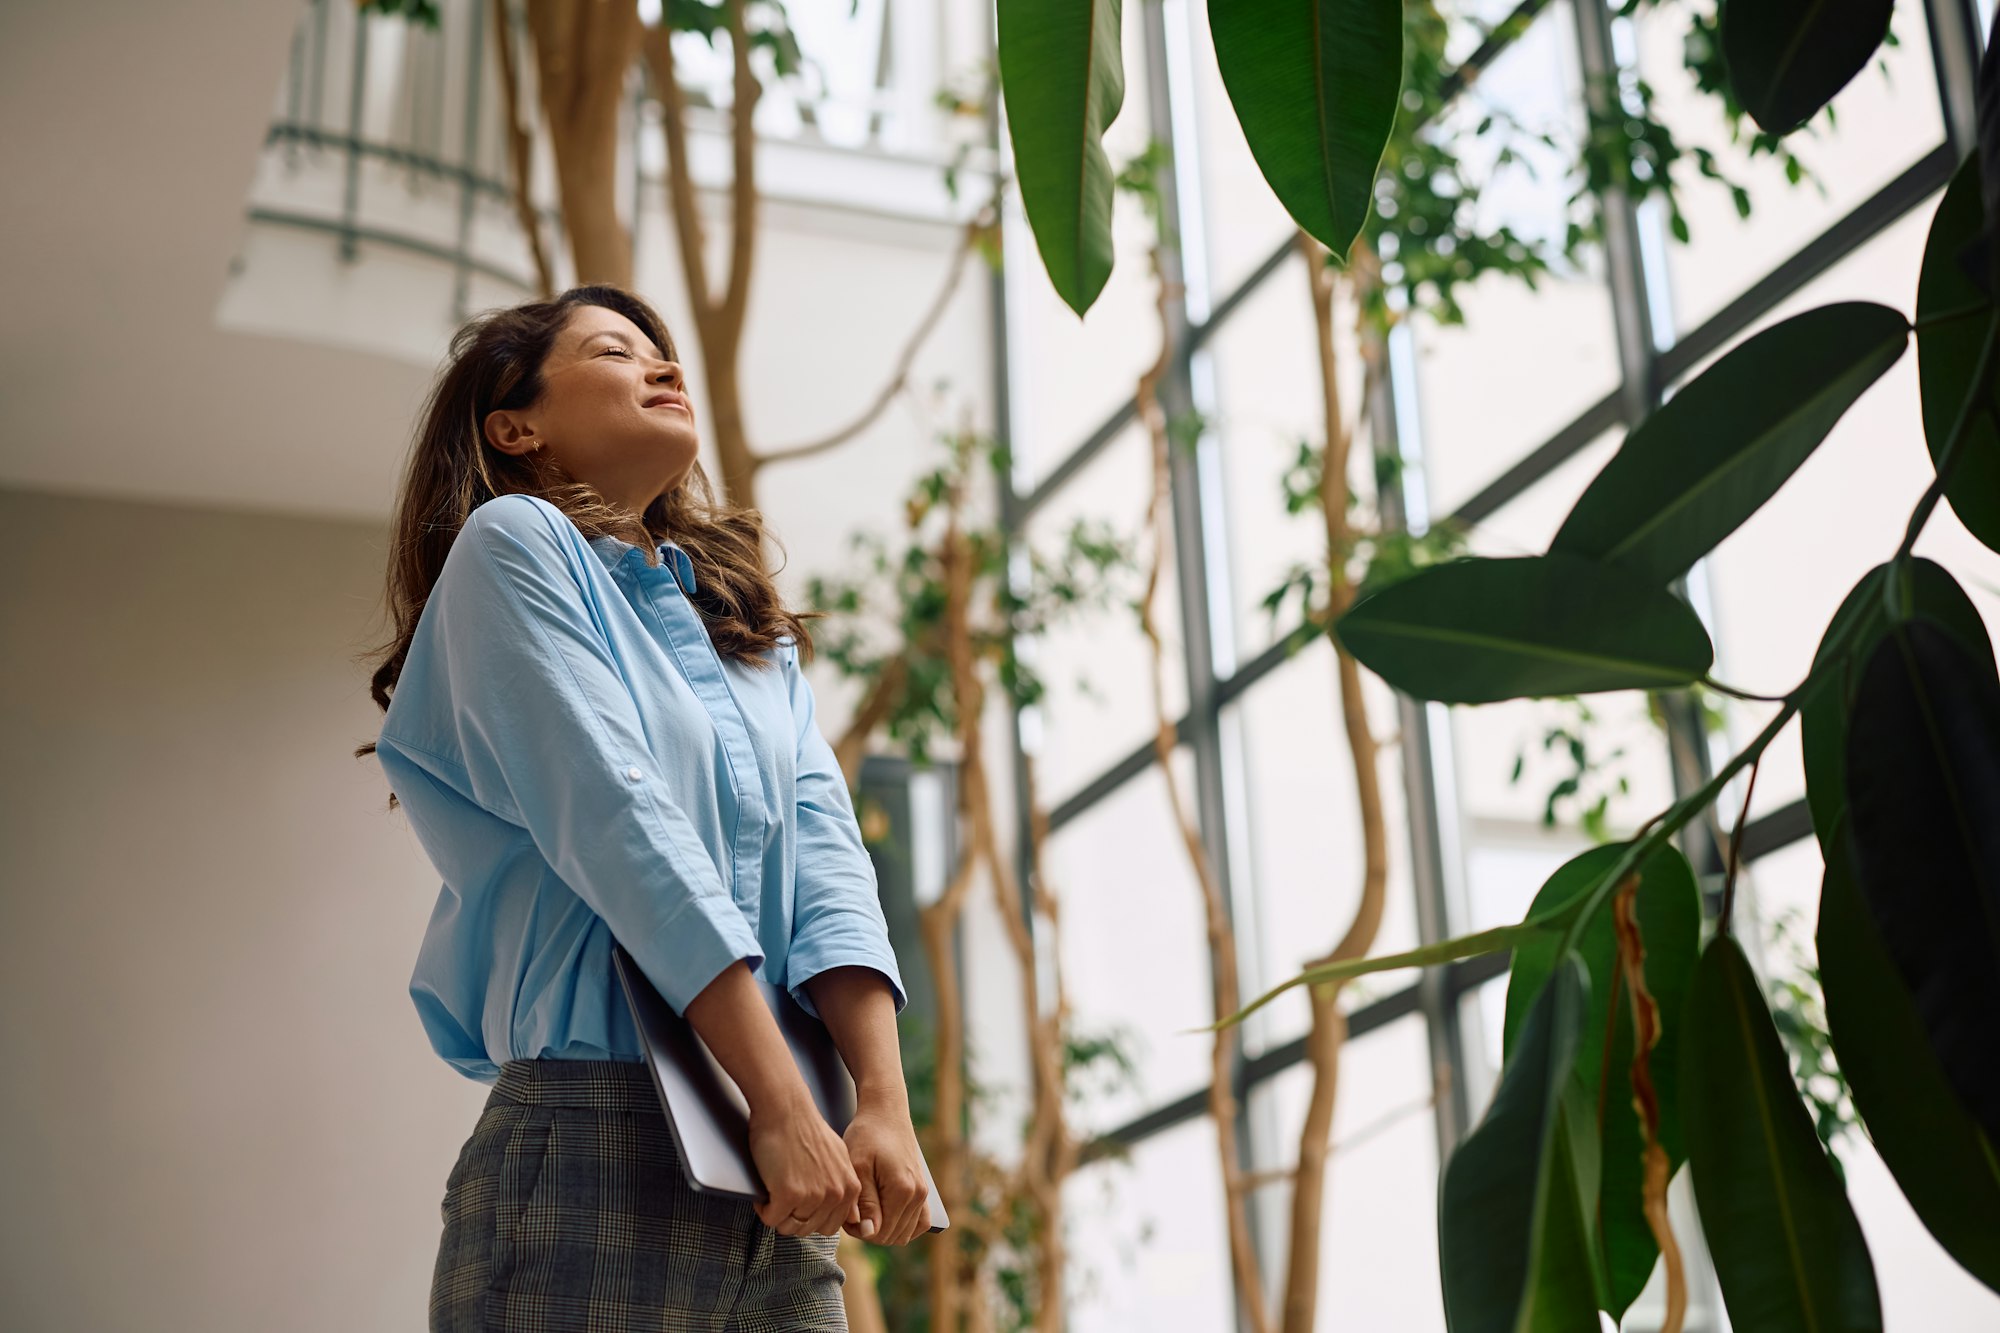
(731, 1017)
(859, 1011)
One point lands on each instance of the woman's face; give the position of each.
(614, 412)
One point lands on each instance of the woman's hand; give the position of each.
(804, 1165)
(895, 1201)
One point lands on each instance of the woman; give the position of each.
(596, 723)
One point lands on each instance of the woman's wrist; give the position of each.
(733, 1021)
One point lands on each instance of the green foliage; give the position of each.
(1425, 223)
(970, 102)
(1787, 58)
(1798, 1011)
(768, 25)
(1923, 790)
(1513, 1241)
(1907, 763)
(1927, 591)
(1479, 630)
(1667, 907)
(1948, 344)
(1096, 1063)
(1944, 1164)
(1375, 556)
(1692, 472)
(902, 589)
(1140, 178)
(1314, 88)
(1064, 81)
(1592, 780)
(1787, 1248)
(422, 13)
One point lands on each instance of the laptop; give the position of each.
(708, 1114)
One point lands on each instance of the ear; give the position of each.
(508, 432)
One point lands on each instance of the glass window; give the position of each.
(1147, 1241)
(1378, 1243)
(1097, 667)
(1777, 580)
(1921, 1285)
(1524, 363)
(1621, 742)
(1888, 117)
(1302, 835)
(1068, 375)
(1243, 219)
(1135, 940)
(1268, 400)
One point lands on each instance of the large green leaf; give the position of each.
(1668, 909)
(1710, 457)
(1314, 85)
(1946, 1166)
(1948, 354)
(1062, 75)
(1787, 58)
(1927, 591)
(1787, 1248)
(1923, 800)
(1512, 1247)
(1477, 630)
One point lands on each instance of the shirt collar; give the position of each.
(612, 550)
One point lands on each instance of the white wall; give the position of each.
(222, 1112)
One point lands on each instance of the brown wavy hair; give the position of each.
(494, 364)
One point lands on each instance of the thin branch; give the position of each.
(658, 46)
(520, 144)
(901, 377)
(743, 185)
(1735, 693)
(1736, 849)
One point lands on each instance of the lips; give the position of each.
(668, 400)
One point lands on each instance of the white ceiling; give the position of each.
(132, 134)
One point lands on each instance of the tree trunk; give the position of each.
(582, 52)
(1224, 988)
(1329, 1024)
(718, 320)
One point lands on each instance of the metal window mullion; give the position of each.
(1955, 51)
(1400, 506)
(1639, 366)
(350, 204)
(1176, 392)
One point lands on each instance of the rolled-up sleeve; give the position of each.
(837, 919)
(512, 695)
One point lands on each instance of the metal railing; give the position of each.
(371, 103)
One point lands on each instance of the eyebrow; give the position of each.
(623, 341)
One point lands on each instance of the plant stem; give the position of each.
(1736, 851)
(1976, 395)
(1687, 809)
(1735, 693)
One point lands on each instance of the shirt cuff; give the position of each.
(695, 947)
(801, 973)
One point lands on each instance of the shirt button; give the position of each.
(634, 773)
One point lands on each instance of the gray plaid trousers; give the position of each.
(567, 1212)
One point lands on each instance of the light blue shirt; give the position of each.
(580, 764)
